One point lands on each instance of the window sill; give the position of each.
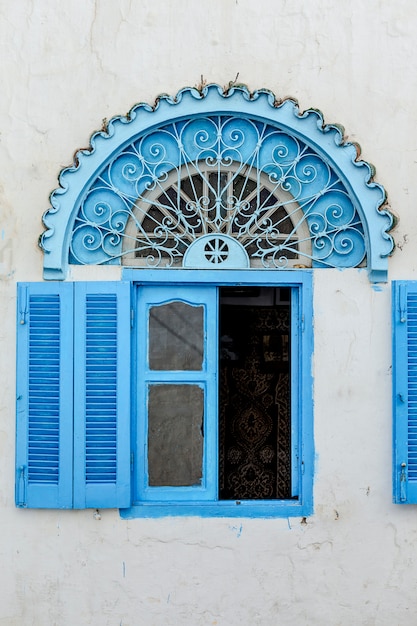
(248, 509)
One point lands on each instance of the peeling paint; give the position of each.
(237, 530)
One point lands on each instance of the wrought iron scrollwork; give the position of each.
(275, 187)
(218, 175)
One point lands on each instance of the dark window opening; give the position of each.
(254, 394)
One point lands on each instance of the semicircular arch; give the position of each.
(277, 185)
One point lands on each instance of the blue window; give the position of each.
(81, 443)
(186, 388)
(206, 443)
(405, 391)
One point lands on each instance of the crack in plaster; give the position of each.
(146, 541)
(316, 545)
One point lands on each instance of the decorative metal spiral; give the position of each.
(219, 175)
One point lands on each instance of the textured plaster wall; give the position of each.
(66, 66)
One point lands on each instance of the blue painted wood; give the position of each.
(89, 180)
(205, 296)
(44, 447)
(102, 395)
(94, 330)
(404, 319)
(160, 502)
(296, 399)
(305, 394)
(73, 390)
(272, 278)
(265, 509)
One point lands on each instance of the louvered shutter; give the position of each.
(44, 395)
(102, 395)
(405, 391)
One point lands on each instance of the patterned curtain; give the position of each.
(255, 420)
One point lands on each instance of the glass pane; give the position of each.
(175, 435)
(243, 187)
(176, 332)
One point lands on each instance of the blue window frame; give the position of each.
(194, 289)
(81, 443)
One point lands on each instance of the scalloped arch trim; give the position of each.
(354, 177)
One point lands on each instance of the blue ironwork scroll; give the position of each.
(199, 183)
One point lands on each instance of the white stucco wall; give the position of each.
(66, 66)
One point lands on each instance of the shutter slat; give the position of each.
(98, 364)
(73, 435)
(405, 391)
(412, 385)
(44, 364)
(44, 406)
(102, 379)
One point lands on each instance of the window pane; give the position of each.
(176, 332)
(175, 435)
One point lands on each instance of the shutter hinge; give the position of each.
(132, 318)
(402, 303)
(23, 304)
(21, 486)
(303, 323)
(303, 468)
(403, 483)
(132, 460)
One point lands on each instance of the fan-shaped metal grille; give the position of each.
(243, 219)
(264, 196)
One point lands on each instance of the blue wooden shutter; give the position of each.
(102, 458)
(405, 391)
(44, 442)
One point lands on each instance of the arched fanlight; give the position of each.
(214, 179)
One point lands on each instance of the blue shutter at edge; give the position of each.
(405, 392)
